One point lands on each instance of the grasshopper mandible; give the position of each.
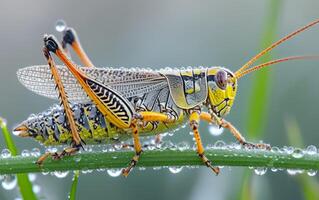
(110, 105)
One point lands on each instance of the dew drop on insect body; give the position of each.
(175, 170)
(260, 171)
(298, 153)
(215, 130)
(311, 150)
(9, 182)
(5, 153)
(114, 172)
(60, 25)
(311, 172)
(60, 174)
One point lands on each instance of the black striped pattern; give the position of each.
(115, 103)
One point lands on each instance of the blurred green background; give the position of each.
(171, 34)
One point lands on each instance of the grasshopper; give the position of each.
(105, 105)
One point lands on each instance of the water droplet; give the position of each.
(36, 189)
(77, 158)
(215, 130)
(32, 176)
(191, 133)
(114, 172)
(311, 150)
(25, 153)
(3, 122)
(157, 168)
(142, 168)
(60, 25)
(60, 174)
(260, 171)
(297, 153)
(220, 144)
(175, 170)
(45, 173)
(292, 171)
(9, 182)
(182, 146)
(288, 150)
(311, 172)
(5, 153)
(35, 152)
(274, 169)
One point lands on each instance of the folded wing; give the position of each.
(127, 82)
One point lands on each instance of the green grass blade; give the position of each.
(258, 104)
(24, 183)
(309, 184)
(74, 185)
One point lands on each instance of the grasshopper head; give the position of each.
(222, 88)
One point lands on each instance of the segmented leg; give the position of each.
(140, 118)
(70, 38)
(194, 124)
(58, 155)
(225, 124)
(137, 147)
(76, 143)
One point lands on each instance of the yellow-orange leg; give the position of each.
(70, 38)
(64, 100)
(57, 155)
(194, 124)
(140, 118)
(137, 147)
(225, 124)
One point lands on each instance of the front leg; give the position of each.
(194, 124)
(225, 124)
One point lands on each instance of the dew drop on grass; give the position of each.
(215, 130)
(9, 182)
(311, 150)
(220, 144)
(36, 189)
(260, 171)
(114, 172)
(32, 176)
(175, 170)
(25, 153)
(77, 158)
(297, 153)
(288, 150)
(182, 146)
(311, 172)
(292, 171)
(35, 152)
(60, 174)
(60, 25)
(5, 153)
(3, 123)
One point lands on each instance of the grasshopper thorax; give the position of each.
(222, 88)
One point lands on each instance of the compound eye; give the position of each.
(221, 79)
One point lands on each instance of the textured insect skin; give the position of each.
(173, 92)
